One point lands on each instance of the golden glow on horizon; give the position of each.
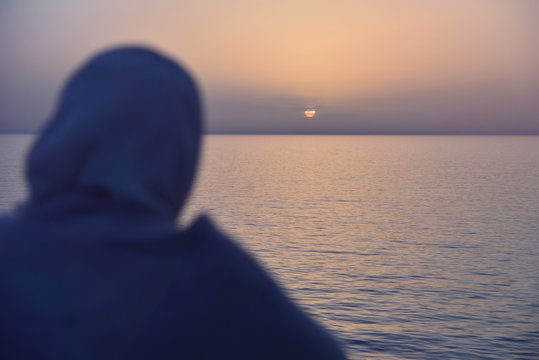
(328, 49)
(389, 60)
(310, 113)
(349, 48)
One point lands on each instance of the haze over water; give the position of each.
(404, 247)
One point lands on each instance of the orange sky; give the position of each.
(366, 66)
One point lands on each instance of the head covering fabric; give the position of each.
(128, 125)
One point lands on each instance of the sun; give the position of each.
(310, 113)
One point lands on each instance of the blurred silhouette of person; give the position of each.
(93, 266)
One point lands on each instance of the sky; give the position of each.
(365, 66)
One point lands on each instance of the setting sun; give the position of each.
(310, 113)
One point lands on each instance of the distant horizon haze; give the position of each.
(366, 67)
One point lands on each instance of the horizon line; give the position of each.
(449, 133)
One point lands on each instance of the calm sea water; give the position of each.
(404, 247)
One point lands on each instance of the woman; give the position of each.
(93, 267)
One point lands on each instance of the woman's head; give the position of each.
(128, 124)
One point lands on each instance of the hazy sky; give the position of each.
(366, 66)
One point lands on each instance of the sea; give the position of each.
(403, 247)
